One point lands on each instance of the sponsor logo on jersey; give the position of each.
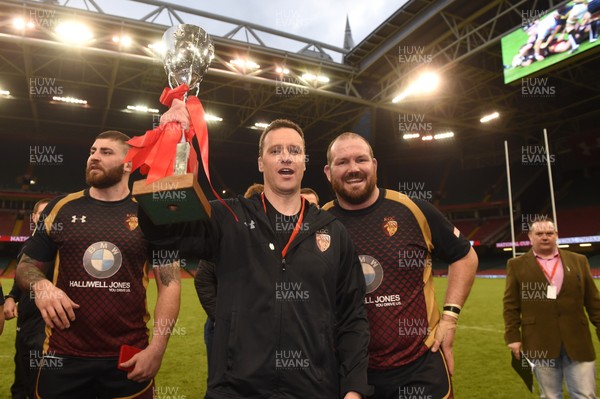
(75, 218)
(102, 259)
(373, 272)
(456, 232)
(131, 221)
(389, 226)
(112, 286)
(381, 301)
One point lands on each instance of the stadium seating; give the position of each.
(7, 221)
(26, 227)
(464, 187)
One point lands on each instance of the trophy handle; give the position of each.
(172, 84)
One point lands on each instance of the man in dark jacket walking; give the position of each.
(290, 318)
(30, 328)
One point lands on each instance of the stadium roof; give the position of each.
(459, 39)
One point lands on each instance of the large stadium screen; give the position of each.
(548, 37)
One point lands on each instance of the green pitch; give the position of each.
(482, 360)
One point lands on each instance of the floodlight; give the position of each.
(212, 118)
(74, 32)
(425, 83)
(489, 117)
(244, 64)
(446, 135)
(71, 100)
(19, 23)
(142, 108)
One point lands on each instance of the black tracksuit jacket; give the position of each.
(292, 327)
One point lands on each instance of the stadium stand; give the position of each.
(479, 182)
(8, 219)
(26, 226)
(578, 222)
(466, 227)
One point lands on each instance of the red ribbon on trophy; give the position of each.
(154, 153)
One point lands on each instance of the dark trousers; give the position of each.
(426, 377)
(28, 348)
(62, 377)
(209, 333)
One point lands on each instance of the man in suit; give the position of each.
(546, 292)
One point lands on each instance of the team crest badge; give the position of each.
(323, 240)
(131, 222)
(390, 226)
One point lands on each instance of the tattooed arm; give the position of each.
(147, 362)
(30, 271)
(56, 307)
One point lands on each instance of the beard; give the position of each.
(355, 196)
(105, 179)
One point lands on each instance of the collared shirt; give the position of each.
(547, 265)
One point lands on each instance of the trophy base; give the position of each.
(172, 199)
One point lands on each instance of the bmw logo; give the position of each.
(102, 259)
(373, 272)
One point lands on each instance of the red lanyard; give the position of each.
(550, 277)
(296, 227)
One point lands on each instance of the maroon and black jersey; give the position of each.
(395, 239)
(99, 260)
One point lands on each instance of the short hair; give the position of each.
(308, 190)
(254, 189)
(278, 124)
(542, 220)
(345, 136)
(115, 135)
(40, 203)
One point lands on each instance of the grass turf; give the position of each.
(482, 360)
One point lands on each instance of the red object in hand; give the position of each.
(126, 353)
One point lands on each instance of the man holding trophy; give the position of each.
(95, 306)
(290, 317)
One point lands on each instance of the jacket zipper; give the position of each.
(279, 377)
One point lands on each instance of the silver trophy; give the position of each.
(176, 198)
(188, 54)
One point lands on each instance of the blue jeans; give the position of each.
(579, 376)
